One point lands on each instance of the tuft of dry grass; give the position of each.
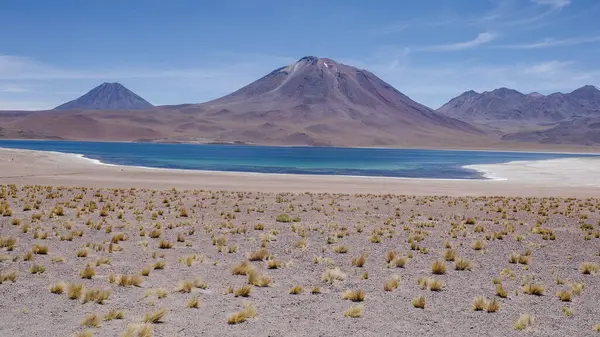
(58, 288)
(96, 295)
(360, 260)
(273, 264)
(159, 265)
(479, 303)
(565, 295)
(524, 321)
(40, 249)
(588, 268)
(88, 272)
(296, 290)
(194, 303)
(75, 290)
(450, 255)
(492, 306)
(129, 280)
(255, 279)
(91, 320)
(243, 291)
(462, 264)
(242, 269)
(85, 333)
(258, 255)
(332, 275)
(315, 290)
(399, 262)
(354, 295)
(37, 269)
(164, 244)
(186, 286)
(478, 245)
(419, 302)
(354, 311)
(390, 256)
(500, 291)
(242, 316)
(391, 284)
(533, 289)
(438, 267)
(138, 330)
(10, 275)
(155, 317)
(114, 314)
(577, 288)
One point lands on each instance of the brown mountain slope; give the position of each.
(314, 101)
(508, 110)
(581, 131)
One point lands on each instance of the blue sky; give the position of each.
(176, 51)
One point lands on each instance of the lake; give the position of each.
(406, 163)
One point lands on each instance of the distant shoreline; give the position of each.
(574, 177)
(523, 148)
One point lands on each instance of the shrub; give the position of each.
(354, 295)
(242, 316)
(419, 302)
(524, 321)
(354, 311)
(155, 317)
(438, 267)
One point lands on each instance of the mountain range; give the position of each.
(557, 118)
(317, 101)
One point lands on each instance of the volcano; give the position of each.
(320, 101)
(107, 96)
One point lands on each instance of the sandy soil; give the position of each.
(553, 237)
(564, 177)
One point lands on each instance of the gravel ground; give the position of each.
(556, 235)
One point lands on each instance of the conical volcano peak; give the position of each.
(108, 96)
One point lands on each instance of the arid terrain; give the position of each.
(97, 262)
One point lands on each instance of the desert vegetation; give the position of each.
(131, 262)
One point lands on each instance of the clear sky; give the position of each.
(190, 51)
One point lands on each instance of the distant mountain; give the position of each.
(319, 101)
(585, 131)
(107, 96)
(506, 109)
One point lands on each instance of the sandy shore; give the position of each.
(577, 177)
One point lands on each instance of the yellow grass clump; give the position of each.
(58, 288)
(91, 320)
(242, 316)
(155, 317)
(296, 290)
(138, 330)
(332, 275)
(114, 314)
(354, 311)
(438, 267)
(419, 302)
(524, 321)
(354, 295)
(75, 290)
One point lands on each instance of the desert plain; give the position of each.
(94, 250)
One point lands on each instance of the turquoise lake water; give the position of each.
(440, 164)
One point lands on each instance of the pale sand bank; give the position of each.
(578, 177)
